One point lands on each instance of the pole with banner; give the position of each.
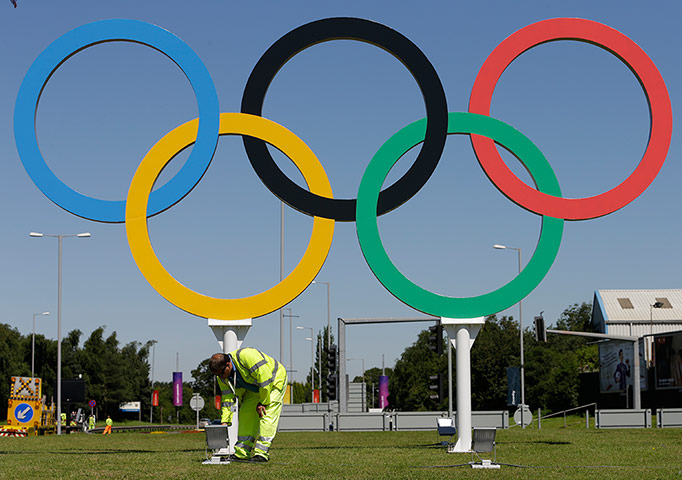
(383, 391)
(177, 391)
(513, 386)
(155, 403)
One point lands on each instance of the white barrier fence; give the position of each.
(669, 417)
(298, 420)
(623, 418)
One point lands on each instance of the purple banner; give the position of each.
(383, 391)
(177, 389)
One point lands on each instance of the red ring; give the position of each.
(652, 84)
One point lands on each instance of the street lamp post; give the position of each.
(59, 316)
(523, 382)
(312, 361)
(651, 328)
(151, 404)
(281, 277)
(363, 379)
(329, 325)
(291, 344)
(33, 341)
(319, 369)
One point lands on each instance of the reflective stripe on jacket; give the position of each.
(255, 368)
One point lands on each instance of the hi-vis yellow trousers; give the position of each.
(255, 433)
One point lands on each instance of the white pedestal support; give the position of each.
(230, 335)
(462, 332)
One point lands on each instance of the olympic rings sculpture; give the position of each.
(431, 132)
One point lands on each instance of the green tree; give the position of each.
(496, 348)
(71, 355)
(300, 392)
(112, 375)
(11, 363)
(205, 384)
(204, 381)
(553, 368)
(409, 384)
(322, 345)
(576, 318)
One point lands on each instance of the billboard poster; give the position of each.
(177, 389)
(616, 361)
(668, 360)
(155, 398)
(129, 406)
(513, 386)
(383, 391)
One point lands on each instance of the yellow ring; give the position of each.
(226, 308)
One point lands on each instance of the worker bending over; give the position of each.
(259, 382)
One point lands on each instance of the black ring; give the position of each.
(365, 31)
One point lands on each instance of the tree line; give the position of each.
(115, 373)
(552, 369)
(112, 373)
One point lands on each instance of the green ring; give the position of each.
(415, 296)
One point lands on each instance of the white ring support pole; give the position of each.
(462, 333)
(230, 335)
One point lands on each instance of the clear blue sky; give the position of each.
(105, 107)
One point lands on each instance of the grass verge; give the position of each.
(553, 452)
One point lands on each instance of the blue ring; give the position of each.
(107, 31)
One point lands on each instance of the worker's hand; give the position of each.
(227, 424)
(260, 408)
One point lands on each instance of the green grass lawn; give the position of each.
(552, 452)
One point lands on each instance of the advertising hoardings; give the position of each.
(616, 361)
(668, 360)
(129, 406)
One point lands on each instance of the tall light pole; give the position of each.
(291, 343)
(312, 360)
(329, 324)
(151, 404)
(281, 278)
(59, 316)
(523, 381)
(33, 341)
(363, 379)
(651, 328)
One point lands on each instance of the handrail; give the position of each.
(571, 409)
(564, 412)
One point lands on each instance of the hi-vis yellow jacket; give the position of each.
(255, 372)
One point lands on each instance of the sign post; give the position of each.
(92, 404)
(196, 403)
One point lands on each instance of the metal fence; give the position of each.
(623, 418)
(669, 417)
(585, 407)
(382, 421)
